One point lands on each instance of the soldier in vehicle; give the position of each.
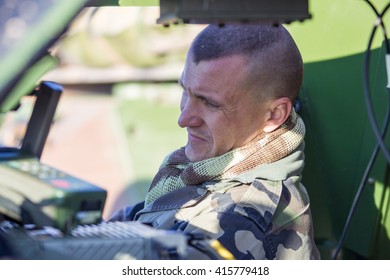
(238, 176)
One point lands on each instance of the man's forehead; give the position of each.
(220, 72)
(198, 88)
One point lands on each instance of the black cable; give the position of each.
(380, 16)
(370, 109)
(372, 119)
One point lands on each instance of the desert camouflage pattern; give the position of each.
(260, 214)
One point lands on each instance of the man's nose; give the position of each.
(189, 115)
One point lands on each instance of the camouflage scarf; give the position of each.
(177, 171)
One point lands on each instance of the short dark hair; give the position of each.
(274, 61)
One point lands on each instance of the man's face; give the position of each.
(218, 112)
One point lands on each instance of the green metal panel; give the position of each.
(339, 139)
(338, 28)
(339, 143)
(381, 237)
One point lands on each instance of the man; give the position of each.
(238, 177)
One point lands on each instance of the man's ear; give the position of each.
(279, 110)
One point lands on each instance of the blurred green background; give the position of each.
(117, 118)
(150, 128)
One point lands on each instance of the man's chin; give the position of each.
(193, 155)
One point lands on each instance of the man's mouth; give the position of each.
(195, 137)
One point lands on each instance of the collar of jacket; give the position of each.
(280, 170)
(188, 196)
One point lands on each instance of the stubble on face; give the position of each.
(217, 113)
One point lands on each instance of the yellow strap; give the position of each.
(221, 250)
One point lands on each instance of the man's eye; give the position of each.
(209, 103)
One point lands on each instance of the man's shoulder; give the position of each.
(253, 201)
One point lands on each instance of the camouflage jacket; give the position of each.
(261, 214)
